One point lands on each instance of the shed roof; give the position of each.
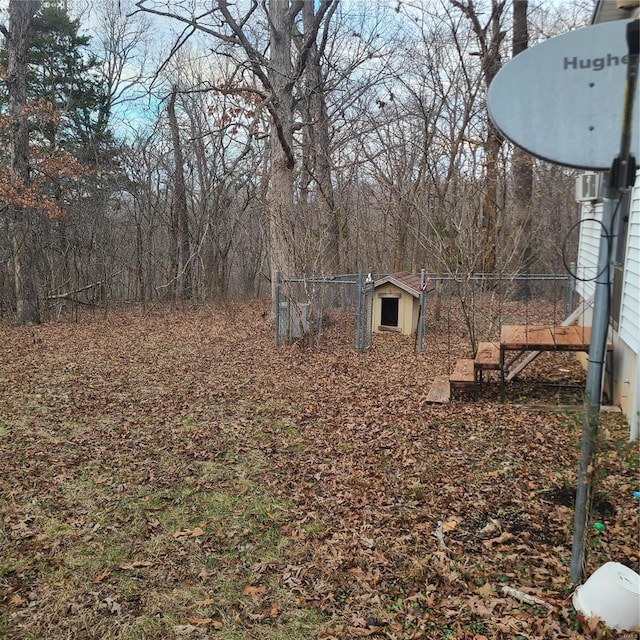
(408, 282)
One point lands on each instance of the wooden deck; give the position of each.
(544, 338)
(537, 338)
(467, 373)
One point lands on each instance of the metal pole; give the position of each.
(621, 177)
(570, 290)
(593, 390)
(421, 314)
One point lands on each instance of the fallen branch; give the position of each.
(68, 294)
(439, 534)
(524, 597)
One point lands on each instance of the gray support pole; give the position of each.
(570, 291)
(621, 178)
(593, 389)
(421, 315)
(359, 292)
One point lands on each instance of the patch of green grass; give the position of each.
(10, 564)
(107, 552)
(314, 528)
(415, 491)
(477, 626)
(189, 423)
(145, 627)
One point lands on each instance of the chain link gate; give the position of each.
(364, 312)
(301, 306)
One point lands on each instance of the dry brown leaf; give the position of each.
(203, 603)
(101, 576)
(252, 590)
(505, 537)
(490, 529)
(188, 533)
(200, 622)
(485, 590)
(449, 525)
(361, 631)
(204, 575)
(16, 601)
(136, 564)
(113, 606)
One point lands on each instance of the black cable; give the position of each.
(609, 238)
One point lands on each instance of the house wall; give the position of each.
(408, 308)
(626, 340)
(588, 247)
(630, 304)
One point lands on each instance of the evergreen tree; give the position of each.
(69, 103)
(64, 77)
(69, 167)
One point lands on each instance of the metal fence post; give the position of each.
(570, 290)
(359, 290)
(421, 312)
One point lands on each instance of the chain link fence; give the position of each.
(485, 302)
(304, 307)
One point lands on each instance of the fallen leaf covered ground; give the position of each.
(175, 475)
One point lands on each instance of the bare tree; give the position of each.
(317, 148)
(18, 37)
(522, 170)
(277, 74)
(489, 39)
(180, 242)
(120, 45)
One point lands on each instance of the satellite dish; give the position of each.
(562, 100)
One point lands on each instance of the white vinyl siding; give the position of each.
(588, 249)
(629, 328)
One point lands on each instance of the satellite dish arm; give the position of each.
(623, 169)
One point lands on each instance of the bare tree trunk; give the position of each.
(320, 156)
(402, 222)
(489, 39)
(179, 215)
(18, 39)
(522, 161)
(490, 203)
(281, 182)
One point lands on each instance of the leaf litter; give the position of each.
(177, 475)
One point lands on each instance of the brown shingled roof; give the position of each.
(403, 279)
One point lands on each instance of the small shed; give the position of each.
(396, 303)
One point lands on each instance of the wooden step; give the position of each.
(487, 357)
(463, 374)
(440, 390)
